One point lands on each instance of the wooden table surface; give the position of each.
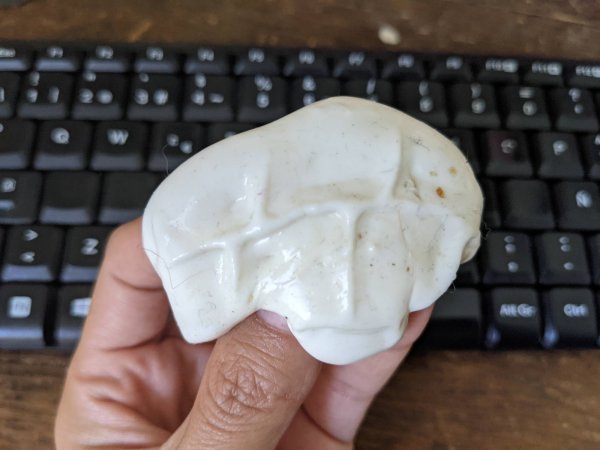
(437, 400)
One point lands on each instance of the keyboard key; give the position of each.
(208, 99)
(256, 61)
(451, 68)
(32, 253)
(456, 321)
(468, 273)
(220, 131)
(100, 96)
(562, 259)
(506, 154)
(570, 318)
(119, 146)
(507, 259)
(308, 90)
(73, 303)
(84, 247)
(584, 75)
(525, 108)
(63, 145)
(9, 91)
(573, 110)
(527, 205)
(474, 106)
(547, 73)
(590, 149)
(514, 318)
(404, 66)
(578, 205)
(557, 156)
(16, 142)
(14, 58)
(356, 64)
(261, 99)
(594, 247)
(208, 61)
(154, 98)
(45, 96)
(105, 58)
(424, 101)
(19, 196)
(465, 141)
(23, 310)
(172, 144)
(70, 198)
(306, 62)
(56, 58)
(492, 217)
(376, 90)
(156, 59)
(499, 71)
(124, 196)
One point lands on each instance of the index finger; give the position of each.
(129, 306)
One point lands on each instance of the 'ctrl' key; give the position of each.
(570, 318)
(22, 316)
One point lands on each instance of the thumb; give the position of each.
(255, 381)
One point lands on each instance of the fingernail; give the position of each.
(273, 319)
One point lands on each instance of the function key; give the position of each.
(15, 59)
(514, 318)
(46, 96)
(156, 60)
(9, 90)
(584, 75)
(525, 108)
(424, 100)
(63, 145)
(570, 318)
(208, 99)
(451, 68)
(547, 73)
(498, 70)
(119, 146)
(58, 59)
(474, 106)
(100, 96)
(154, 98)
(105, 58)
(261, 99)
(73, 305)
(403, 67)
(573, 110)
(590, 146)
(578, 205)
(32, 253)
(256, 61)
(208, 61)
(376, 90)
(506, 154)
(557, 156)
(19, 197)
(307, 90)
(507, 259)
(16, 141)
(562, 259)
(23, 310)
(306, 62)
(355, 65)
(172, 144)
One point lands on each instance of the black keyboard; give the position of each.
(88, 132)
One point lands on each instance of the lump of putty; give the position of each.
(342, 217)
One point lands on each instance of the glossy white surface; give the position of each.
(342, 217)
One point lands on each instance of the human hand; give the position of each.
(135, 383)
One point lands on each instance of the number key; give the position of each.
(9, 88)
(154, 98)
(46, 96)
(261, 99)
(84, 247)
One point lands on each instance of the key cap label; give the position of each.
(60, 136)
(19, 307)
(117, 136)
(583, 199)
(8, 185)
(30, 235)
(27, 257)
(80, 307)
(89, 246)
(576, 310)
(514, 310)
